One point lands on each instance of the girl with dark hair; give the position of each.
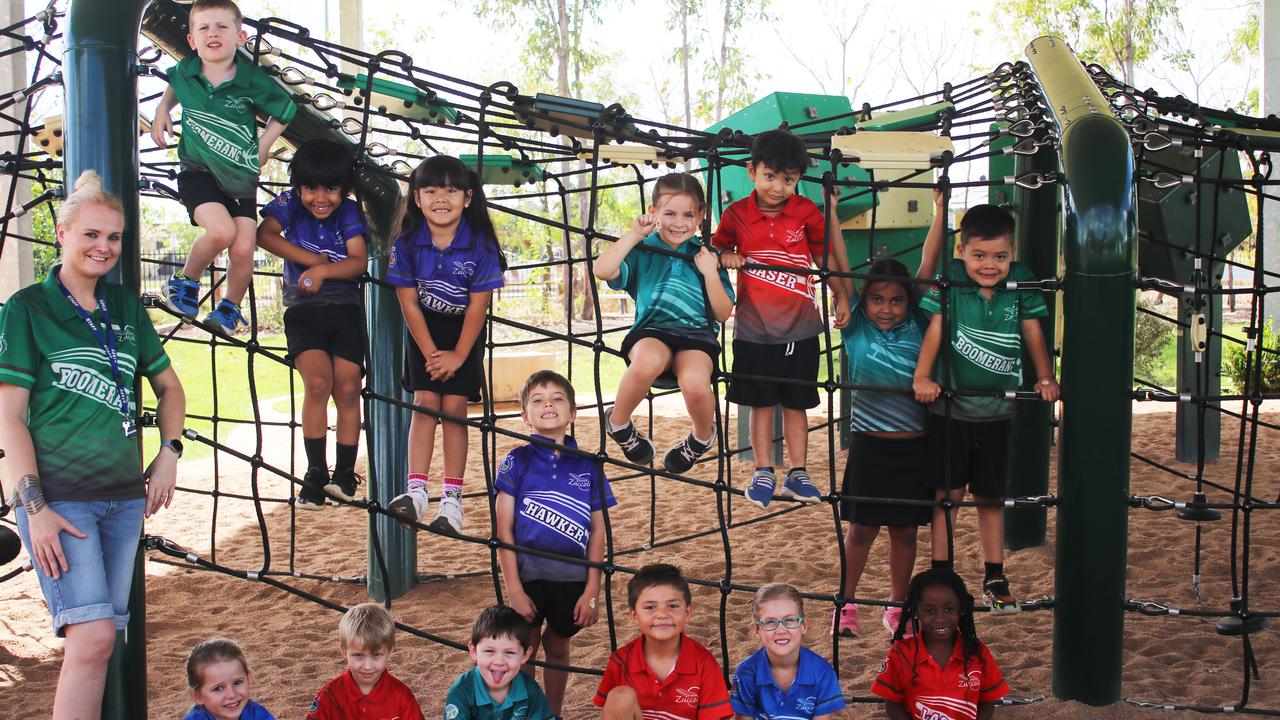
(445, 265)
(941, 670)
(887, 447)
(319, 232)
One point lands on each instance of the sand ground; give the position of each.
(292, 644)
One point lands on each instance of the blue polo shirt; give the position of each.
(326, 237)
(815, 691)
(469, 699)
(445, 278)
(668, 290)
(555, 496)
(884, 358)
(251, 711)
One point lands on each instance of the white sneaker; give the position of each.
(412, 505)
(448, 516)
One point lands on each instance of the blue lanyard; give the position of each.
(108, 345)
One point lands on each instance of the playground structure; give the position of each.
(1053, 130)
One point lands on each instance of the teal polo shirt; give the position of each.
(985, 350)
(469, 699)
(73, 413)
(667, 289)
(220, 125)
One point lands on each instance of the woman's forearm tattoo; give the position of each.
(30, 494)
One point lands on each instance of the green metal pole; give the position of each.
(388, 424)
(1097, 372)
(1037, 212)
(100, 123)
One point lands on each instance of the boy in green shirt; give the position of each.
(989, 325)
(496, 689)
(220, 153)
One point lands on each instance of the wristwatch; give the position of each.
(174, 445)
(1045, 381)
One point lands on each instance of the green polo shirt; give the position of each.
(72, 414)
(986, 341)
(469, 699)
(219, 125)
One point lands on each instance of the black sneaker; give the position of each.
(685, 453)
(635, 446)
(343, 484)
(311, 495)
(997, 596)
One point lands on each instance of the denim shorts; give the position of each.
(99, 567)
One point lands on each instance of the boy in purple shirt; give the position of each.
(319, 232)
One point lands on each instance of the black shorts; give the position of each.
(197, 187)
(554, 600)
(886, 468)
(338, 330)
(786, 361)
(444, 330)
(979, 455)
(677, 342)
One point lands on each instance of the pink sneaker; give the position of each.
(892, 616)
(845, 622)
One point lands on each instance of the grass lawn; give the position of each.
(230, 394)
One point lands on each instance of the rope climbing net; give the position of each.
(576, 159)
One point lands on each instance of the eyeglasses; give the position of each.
(790, 622)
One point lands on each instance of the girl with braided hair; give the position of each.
(942, 671)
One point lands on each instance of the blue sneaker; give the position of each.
(182, 295)
(798, 486)
(225, 319)
(760, 491)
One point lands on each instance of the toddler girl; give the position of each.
(445, 265)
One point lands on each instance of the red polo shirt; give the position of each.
(910, 677)
(775, 306)
(694, 690)
(341, 699)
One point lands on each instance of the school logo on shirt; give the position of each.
(1011, 313)
(687, 696)
(508, 463)
(805, 705)
(315, 704)
(464, 268)
(239, 104)
(582, 481)
(4, 343)
(519, 713)
(971, 680)
(795, 236)
(450, 711)
(126, 333)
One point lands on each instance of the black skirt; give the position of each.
(444, 330)
(884, 468)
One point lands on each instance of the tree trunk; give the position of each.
(684, 60)
(724, 59)
(1128, 42)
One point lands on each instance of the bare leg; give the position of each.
(455, 436)
(219, 234)
(240, 259)
(857, 546)
(422, 432)
(84, 670)
(317, 381)
(902, 560)
(347, 381)
(761, 430)
(622, 704)
(693, 370)
(557, 650)
(991, 531)
(649, 358)
(795, 430)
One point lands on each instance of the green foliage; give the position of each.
(1150, 336)
(1235, 357)
(1100, 31)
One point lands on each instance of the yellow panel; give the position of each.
(892, 150)
(629, 154)
(899, 207)
(49, 137)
